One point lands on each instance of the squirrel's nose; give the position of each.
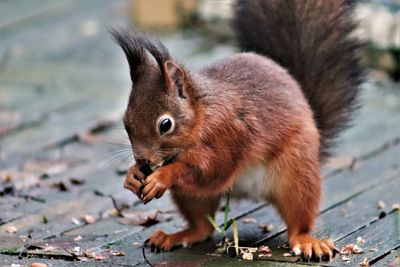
(142, 154)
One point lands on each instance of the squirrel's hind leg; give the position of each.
(195, 211)
(296, 194)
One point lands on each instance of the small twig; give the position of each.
(119, 211)
(144, 256)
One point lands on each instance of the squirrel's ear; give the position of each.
(174, 78)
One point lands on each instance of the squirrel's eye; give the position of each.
(166, 125)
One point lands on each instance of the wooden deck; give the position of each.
(63, 87)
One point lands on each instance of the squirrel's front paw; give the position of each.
(154, 187)
(133, 180)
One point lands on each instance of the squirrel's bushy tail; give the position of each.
(313, 40)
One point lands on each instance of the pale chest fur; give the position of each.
(253, 182)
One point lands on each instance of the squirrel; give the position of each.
(259, 123)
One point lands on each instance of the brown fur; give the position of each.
(232, 115)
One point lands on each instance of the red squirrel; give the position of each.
(257, 123)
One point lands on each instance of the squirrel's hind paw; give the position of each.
(310, 248)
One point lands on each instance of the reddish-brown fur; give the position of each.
(240, 112)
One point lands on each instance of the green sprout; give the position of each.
(226, 225)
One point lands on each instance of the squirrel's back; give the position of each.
(312, 40)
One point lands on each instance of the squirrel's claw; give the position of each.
(152, 189)
(311, 248)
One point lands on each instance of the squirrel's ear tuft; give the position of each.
(134, 51)
(135, 45)
(174, 78)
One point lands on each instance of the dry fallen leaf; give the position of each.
(249, 220)
(49, 248)
(143, 218)
(11, 229)
(38, 264)
(365, 262)
(340, 162)
(252, 250)
(265, 255)
(247, 256)
(264, 249)
(93, 255)
(381, 205)
(117, 253)
(360, 240)
(396, 206)
(114, 212)
(77, 250)
(266, 228)
(345, 258)
(136, 244)
(76, 221)
(351, 249)
(88, 137)
(88, 219)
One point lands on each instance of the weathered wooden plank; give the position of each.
(16, 207)
(225, 261)
(59, 217)
(359, 211)
(380, 237)
(370, 173)
(390, 260)
(7, 261)
(356, 213)
(21, 12)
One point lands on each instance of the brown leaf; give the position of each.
(249, 220)
(88, 219)
(143, 218)
(38, 264)
(360, 240)
(88, 137)
(247, 256)
(93, 255)
(381, 205)
(365, 262)
(340, 162)
(266, 228)
(11, 229)
(396, 206)
(351, 249)
(117, 253)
